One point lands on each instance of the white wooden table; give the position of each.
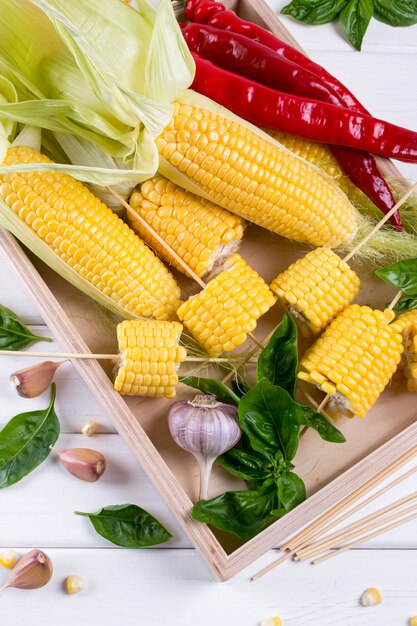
(172, 585)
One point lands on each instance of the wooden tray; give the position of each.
(330, 471)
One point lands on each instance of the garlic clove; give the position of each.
(32, 571)
(8, 558)
(32, 381)
(74, 584)
(83, 463)
(90, 428)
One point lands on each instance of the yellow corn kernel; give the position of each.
(8, 558)
(242, 171)
(89, 237)
(74, 584)
(271, 621)
(149, 358)
(371, 597)
(413, 621)
(90, 428)
(222, 315)
(316, 288)
(200, 232)
(357, 355)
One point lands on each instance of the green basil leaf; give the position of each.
(14, 335)
(128, 525)
(403, 275)
(243, 513)
(291, 491)
(211, 386)
(314, 11)
(355, 19)
(25, 442)
(307, 416)
(278, 361)
(396, 12)
(406, 304)
(243, 464)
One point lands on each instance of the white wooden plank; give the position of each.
(14, 295)
(173, 587)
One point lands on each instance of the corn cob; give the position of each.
(221, 316)
(200, 232)
(406, 324)
(150, 357)
(316, 288)
(254, 178)
(89, 237)
(355, 358)
(406, 320)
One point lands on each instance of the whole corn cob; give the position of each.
(200, 232)
(89, 237)
(222, 315)
(316, 288)
(406, 324)
(254, 178)
(149, 358)
(355, 358)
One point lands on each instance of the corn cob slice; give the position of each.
(242, 171)
(89, 237)
(221, 316)
(355, 358)
(316, 288)
(150, 357)
(406, 324)
(200, 232)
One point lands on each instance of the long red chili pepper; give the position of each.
(253, 60)
(215, 14)
(309, 118)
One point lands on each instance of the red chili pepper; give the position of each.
(253, 60)
(309, 118)
(215, 14)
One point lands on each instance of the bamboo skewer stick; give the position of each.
(395, 300)
(170, 251)
(381, 531)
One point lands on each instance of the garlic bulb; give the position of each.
(34, 570)
(205, 428)
(83, 463)
(32, 381)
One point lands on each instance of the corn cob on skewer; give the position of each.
(200, 232)
(221, 316)
(150, 357)
(254, 178)
(405, 320)
(355, 358)
(406, 324)
(316, 288)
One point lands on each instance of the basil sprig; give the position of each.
(355, 15)
(14, 335)
(128, 525)
(271, 421)
(25, 442)
(403, 276)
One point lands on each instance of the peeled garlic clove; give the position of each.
(74, 584)
(90, 428)
(83, 463)
(32, 571)
(8, 558)
(32, 381)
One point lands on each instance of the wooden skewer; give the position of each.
(381, 531)
(170, 251)
(395, 300)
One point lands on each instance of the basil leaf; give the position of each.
(25, 442)
(396, 12)
(314, 11)
(243, 464)
(128, 525)
(14, 335)
(307, 416)
(406, 304)
(355, 19)
(403, 275)
(211, 386)
(291, 491)
(278, 360)
(243, 513)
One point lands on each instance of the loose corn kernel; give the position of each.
(316, 288)
(8, 558)
(413, 621)
(200, 232)
(149, 358)
(74, 584)
(271, 621)
(359, 340)
(371, 597)
(90, 428)
(89, 237)
(222, 315)
(244, 172)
